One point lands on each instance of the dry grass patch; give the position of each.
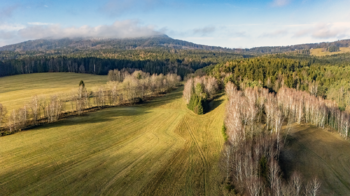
(317, 152)
(321, 52)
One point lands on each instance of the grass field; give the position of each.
(16, 91)
(158, 148)
(317, 152)
(320, 52)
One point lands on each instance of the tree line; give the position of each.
(180, 62)
(253, 123)
(132, 88)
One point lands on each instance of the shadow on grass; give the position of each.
(166, 98)
(104, 115)
(111, 113)
(216, 102)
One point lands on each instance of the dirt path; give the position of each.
(317, 152)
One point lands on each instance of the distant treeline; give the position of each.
(180, 62)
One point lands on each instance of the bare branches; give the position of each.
(312, 187)
(3, 112)
(254, 153)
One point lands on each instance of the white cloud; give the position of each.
(119, 29)
(326, 30)
(37, 30)
(11, 27)
(280, 3)
(39, 23)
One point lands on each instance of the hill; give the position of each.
(72, 44)
(298, 47)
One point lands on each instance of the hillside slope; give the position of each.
(71, 44)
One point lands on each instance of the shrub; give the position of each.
(197, 104)
(223, 130)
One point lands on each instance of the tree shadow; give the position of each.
(164, 99)
(100, 116)
(216, 102)
(111, 113)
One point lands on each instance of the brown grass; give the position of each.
(317, 152)
(320, 52)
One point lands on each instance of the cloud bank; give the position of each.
(326, 30)
(36, 30)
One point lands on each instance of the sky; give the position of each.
(225, 23)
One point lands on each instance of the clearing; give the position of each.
(317, 152)
(320, 52)
(157, 148)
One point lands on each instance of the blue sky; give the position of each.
(227, 23)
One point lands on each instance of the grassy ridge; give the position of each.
(157, 148)
(16, 91)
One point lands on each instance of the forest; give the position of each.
(157, 61)
(320, 79)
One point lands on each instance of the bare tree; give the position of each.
(296, 182)
(12, 122)
(3, 112)
(312, 187)
(35, 108)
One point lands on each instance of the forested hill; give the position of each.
(72, 44)
(302, 48)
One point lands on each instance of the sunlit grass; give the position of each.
(158, 148)
(320, 52)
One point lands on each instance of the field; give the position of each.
(317, 152)
(158, 148)
(320, 52)
(16, 91)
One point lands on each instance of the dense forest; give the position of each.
(156, 61)
(320, 79)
